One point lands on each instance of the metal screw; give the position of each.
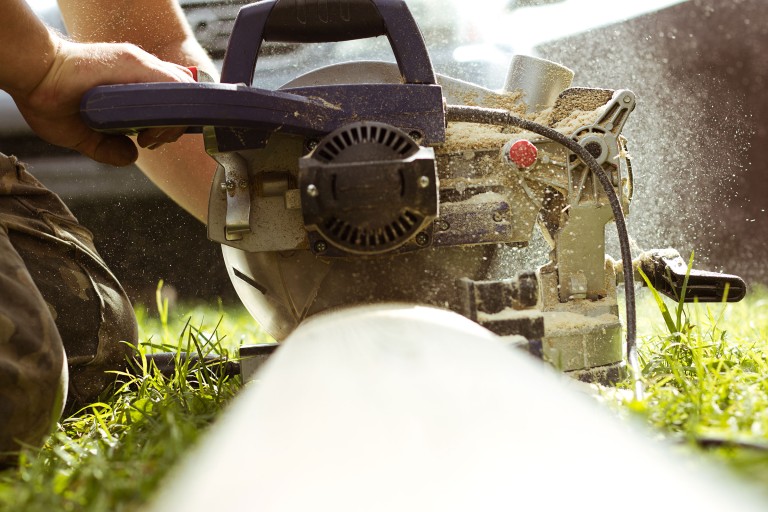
(415, 135)
(312, 190)
(443, 225)
(422, 239)
(627, 99)
(243, 183)
(321, 246)
(498, 216)
(311, 144)
(423, 181)
(229, 184)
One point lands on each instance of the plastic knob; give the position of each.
(523, 153)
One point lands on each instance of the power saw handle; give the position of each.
(315, 21)
(667, 272)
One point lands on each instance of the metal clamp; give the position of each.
(237, 187)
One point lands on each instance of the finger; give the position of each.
(117, 150)
(150, 136)
(174, 134)
(163, 135)
(125, 63)
(181, 73)
(187, 71)
(178, 72)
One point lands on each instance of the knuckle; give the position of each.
(128, 52)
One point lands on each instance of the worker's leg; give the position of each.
(92, 313)
(33, 373)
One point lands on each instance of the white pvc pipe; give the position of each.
(404, 408)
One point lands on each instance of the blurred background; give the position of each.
(697, 138)
(699, 134)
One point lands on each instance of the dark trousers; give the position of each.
(63, 314)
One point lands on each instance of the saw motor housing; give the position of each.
(437, 225)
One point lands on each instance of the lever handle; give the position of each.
(318, 21)
(325, 21)
(666, 271)
(133, 107)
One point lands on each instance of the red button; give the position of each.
(523, 153)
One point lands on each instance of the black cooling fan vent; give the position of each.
(377, 140)
(366, 191)
(369, 239)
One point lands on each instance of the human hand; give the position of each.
(52, 108)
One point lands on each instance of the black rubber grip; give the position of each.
(317, 21)
(326, 21)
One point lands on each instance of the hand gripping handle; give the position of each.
(313, 21)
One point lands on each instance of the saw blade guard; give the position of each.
(281, 289)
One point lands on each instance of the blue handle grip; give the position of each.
(326, 21)
(132, 107)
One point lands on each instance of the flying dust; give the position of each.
(698, 71)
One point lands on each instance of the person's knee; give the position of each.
(116, 336)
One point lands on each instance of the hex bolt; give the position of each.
(312, 190)
(321, 246)
(422, 239)
(423, 181)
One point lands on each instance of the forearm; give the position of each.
(156, 26)
(182, 170)
(27, 48)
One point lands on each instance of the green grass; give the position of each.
(706, 376)
(111, 456)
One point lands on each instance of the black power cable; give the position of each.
(498, 117)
